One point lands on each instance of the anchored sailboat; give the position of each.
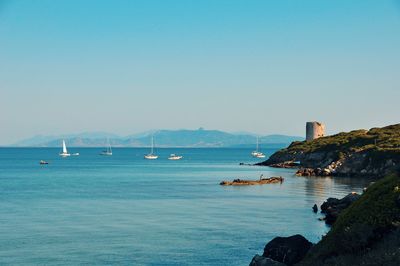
(64, 152)
(151, 155)
(108, 151)
(257, 153)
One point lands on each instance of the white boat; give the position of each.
(108, 150)
(64, 152)
(151, 155)
(75, 154)
(174, 157)
(257, 153)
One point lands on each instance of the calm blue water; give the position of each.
(125, 210)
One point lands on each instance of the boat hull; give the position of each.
(175, 158)
(151, 157)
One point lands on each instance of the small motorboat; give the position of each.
(75, 154)
(175, 157)
(43, 162)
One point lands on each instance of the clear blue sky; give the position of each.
(260, 66)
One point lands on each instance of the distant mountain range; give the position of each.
(163, 138)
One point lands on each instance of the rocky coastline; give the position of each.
(358, 153)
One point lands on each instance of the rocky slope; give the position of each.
(371, 152)
(367, 232)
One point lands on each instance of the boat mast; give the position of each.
(257, 145)
(108, 146)
(152, 144)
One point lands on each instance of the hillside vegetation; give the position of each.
(366, 233)
(370, 152)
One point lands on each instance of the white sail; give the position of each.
(64, 147)
(109, 148)
(64, 152)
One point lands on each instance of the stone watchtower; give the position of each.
(314, 130)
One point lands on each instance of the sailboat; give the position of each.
(108, 151)
(151, 155)
(64, 152)
(257, 153)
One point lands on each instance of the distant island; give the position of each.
(200, 138)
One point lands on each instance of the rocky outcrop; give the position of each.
(332, 207)
(289, 164)
(242, 182)
(357, 153)
(313, 172)
(287, 250)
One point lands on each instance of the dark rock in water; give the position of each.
(315, 208)
(289, 250)
(289, 164)
(263, 261)
(332, 207)
(313, 172)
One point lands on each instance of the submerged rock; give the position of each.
(315, 208)
(288, 250)
(263, 261)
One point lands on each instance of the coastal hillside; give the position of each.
(163, 138)
(366, 233)
(373, 152)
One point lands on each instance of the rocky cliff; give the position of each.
(361, 152)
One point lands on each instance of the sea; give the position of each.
(125, 210)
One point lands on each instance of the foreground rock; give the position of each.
(263, 261)
(332, 207)
(287, 250)
(242, 182)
